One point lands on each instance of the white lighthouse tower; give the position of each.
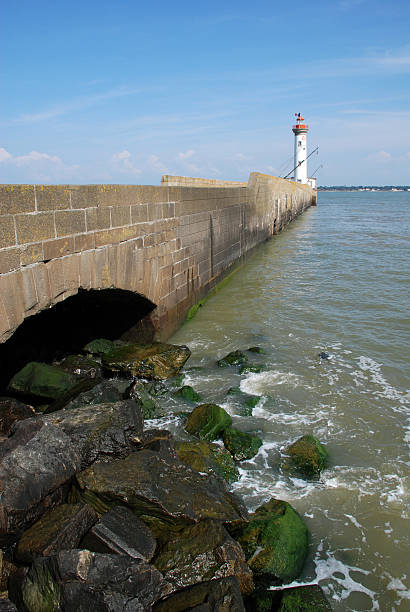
(300, 164)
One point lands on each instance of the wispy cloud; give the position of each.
(37, 166)
(186, 155)
(123, 162)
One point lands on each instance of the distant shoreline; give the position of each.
(365, 188)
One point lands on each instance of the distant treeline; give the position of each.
(364, 188)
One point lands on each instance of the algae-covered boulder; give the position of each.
(164, 488)
(60, 529)
(82, 365)
(250, 368)
(138, 392)
(308, 598)
(188, 393)
(42, 381)
(156, 361)
(81, 580)
(99, 346)
(306, 457)
(233, 358)
(207, 421)
(202, 552)
(11, 410)
(275, 541)
(241, 445)
(207, 457)
(244, 401)
(221, 595)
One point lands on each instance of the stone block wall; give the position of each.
(171, 243)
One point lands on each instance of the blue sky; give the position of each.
(124, 91)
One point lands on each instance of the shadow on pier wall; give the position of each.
(66, 327)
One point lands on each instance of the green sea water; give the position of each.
(336, 280)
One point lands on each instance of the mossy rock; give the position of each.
(188, 393)
(82, 365)
(207, 421)
(255, 349)
(207, 457)
(241, 445)
(308, 598)
(234, 358)
(138, 392)
(42, 380)
(157, 361)
(99, 346)
(249, 368)
(275, 541)
(306, 457)
(234, 391)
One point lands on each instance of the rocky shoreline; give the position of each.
(99, 512)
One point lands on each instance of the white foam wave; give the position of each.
(263, 383)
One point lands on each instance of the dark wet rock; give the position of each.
(119, 531)
(255, 349)
(50, 450)
(150, 407)
(7, 606)
(156, 388)
(60, 529)
(188, 393)
(250, 369)
(167, 489)
(241, 445)
(7, 569)
(234, 391)
(68, 397)
(207, 422)
(275, 541)
(159, 440)
(102, 393)
(82, 365)
(306, 457)
(99, 346)
(157, 361)
(42, 381)
(12, 410)
(202, 552)
(324, 355)
(80, 581)
(221, 595)
(309, 598)
(207, 457)
(233, 359)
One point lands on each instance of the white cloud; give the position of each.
(186, 155)
(380, 156)
(124, 163)
(35, 167)
(4, 155)
(155, 163)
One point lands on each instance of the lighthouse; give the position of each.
(300, 164)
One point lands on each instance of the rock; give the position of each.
(275, 541)
(202, 552)
(163, 488)
(156, 361)
(250, 368)
(12, 410)
(324, 355)
(255, 349)
(304, 599)
(232, 359)
(80, 581)
(103, 392)
(7, 569)
(99, 346)
(207, 457)
(149, 406)
(60, 529)
(241, 445)
(307, 457)
(187, 393)
(120, 531)
(49, 450)
(159, 440)
(42, 381)
(82, 365)
(83, 386)
(207, 421)
(106, 430)
(7, 606)
(221, 595)
(245, 402)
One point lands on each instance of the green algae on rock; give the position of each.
(202, 552)
(207, 421)
(188, 393)
(157, 361)
(138, 392)
(275, 541)
(308, 598)
(220, 594)
(307, 457)
(99, 346)
(207, 457)
(42, 380)
(233, 358)
(241, 445)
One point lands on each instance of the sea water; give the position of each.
(335, 281)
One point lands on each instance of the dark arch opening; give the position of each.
(66, 327)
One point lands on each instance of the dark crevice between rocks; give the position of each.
(66, 327)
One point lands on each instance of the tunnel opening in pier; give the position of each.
(65, 328)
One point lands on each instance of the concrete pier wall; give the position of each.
(171, 243)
